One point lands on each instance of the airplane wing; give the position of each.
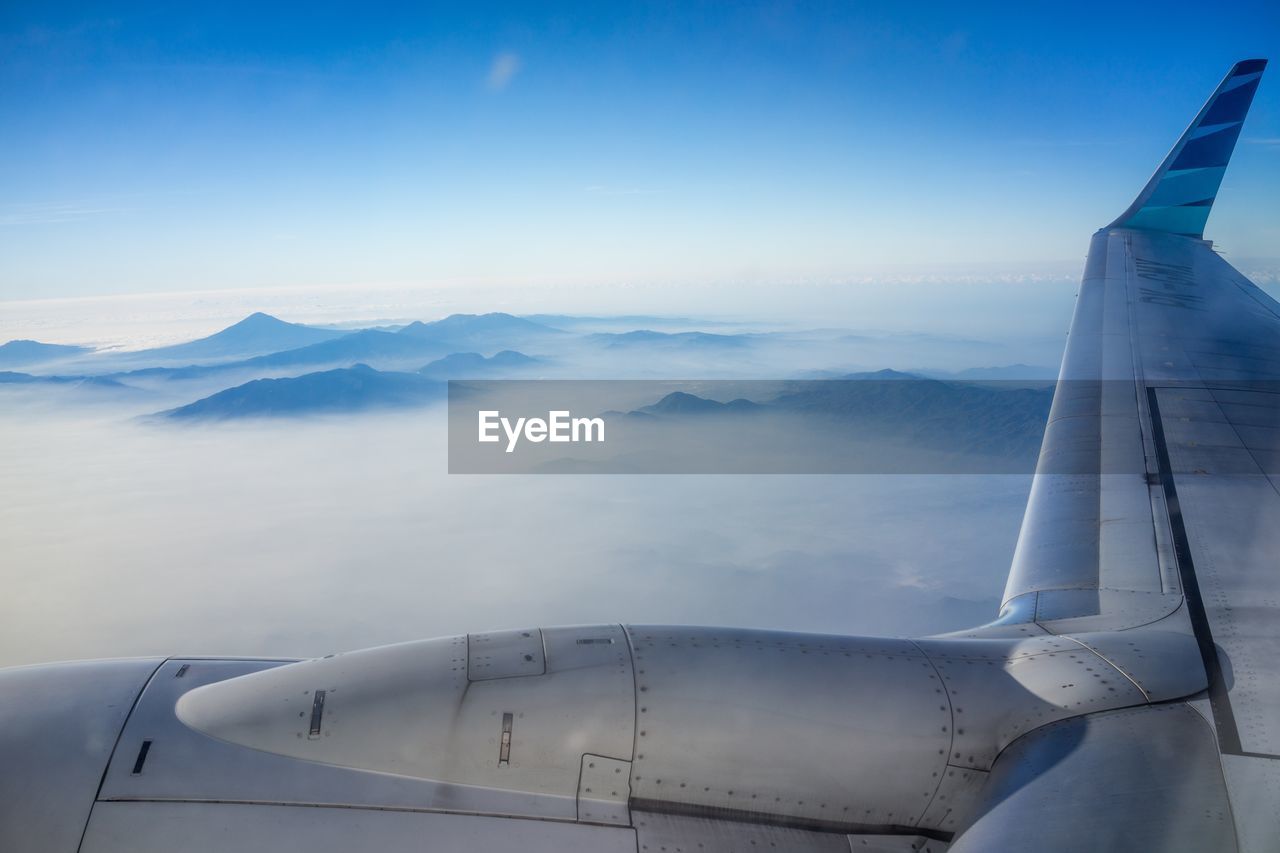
(1156, 503)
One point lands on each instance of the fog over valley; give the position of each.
(278, 487)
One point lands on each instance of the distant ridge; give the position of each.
(647, 337)
(998, 419)
(24, 353)
(8, 377)
(1006, 372)
(472, 365)
(682, 403)
(565, 321)
(257, 334)
(884, 374)
(480, 331)
(366, 345)
(347, 350)
(348, 389)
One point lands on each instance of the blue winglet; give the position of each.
(1179, 196)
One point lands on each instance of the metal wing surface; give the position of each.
(1157, 497)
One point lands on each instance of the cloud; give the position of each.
(289, 535)
(502, 71)
(304, 539)
(1272, 141)
(51, 213)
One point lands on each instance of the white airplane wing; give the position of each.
(1157, 497)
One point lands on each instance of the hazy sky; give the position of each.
(240, 145)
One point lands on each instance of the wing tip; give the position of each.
(1180, 195)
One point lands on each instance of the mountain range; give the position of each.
(473, 365)
(1003, 420)
(26, 353)
(682, 403)
(480, 331)
(682, 340)
(351, 371)
(417, 342)
(257, 334)
(347, 389)
(9, 377)
(1009, 372)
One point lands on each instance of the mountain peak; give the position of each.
(256, 334)
(258, 320)
(255, 325)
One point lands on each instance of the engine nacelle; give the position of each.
(583, 721)
(613, 732)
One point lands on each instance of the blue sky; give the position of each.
(229, 146)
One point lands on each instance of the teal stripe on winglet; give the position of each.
(1186, 186)
(1188, 220)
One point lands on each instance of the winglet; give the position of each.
(1179, 196)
